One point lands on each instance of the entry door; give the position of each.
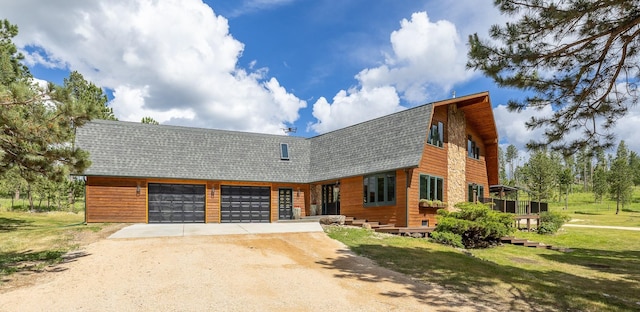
(285, 204)
(330, 199)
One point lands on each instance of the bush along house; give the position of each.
(397, 169)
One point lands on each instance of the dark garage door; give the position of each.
(245, 204)
(176, 203)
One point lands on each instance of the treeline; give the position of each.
(41, 194)
(548, 176)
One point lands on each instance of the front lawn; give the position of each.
(602, 273)
(30, 241)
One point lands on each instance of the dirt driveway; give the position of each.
(266, 272)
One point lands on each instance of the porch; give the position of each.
(524, 210)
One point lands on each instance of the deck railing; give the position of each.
(519, 207)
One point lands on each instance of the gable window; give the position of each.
(284, 151)
(475, 190)
(436, 134)
(473, 149)
(431, 187)
(379, 189)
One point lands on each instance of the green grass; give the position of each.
(583, 210)
(33, 240)
(602, 273)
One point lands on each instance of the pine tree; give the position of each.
(600, 185)
(634, 163)
(620, 178)
(37, 124)
(579, 57)
(539, 175)
(502, 174)
(510, 157)
(149, 120)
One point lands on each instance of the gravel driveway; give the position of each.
(266, 272)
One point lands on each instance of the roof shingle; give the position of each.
(128, 149)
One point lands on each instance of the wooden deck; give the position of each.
(421, 231)
(528, 218)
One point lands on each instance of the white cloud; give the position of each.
(511, 125)
(173, 60)
(426, 55)
(354, 106)
(512, 129)
(428, 58)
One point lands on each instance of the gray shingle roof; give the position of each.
(390, 142)
(141, 150)
(129, 149)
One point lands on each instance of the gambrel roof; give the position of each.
(129, 149)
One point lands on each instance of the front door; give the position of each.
(330, 199)
(285, 204)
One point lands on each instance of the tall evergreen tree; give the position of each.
(37, 124)
(620, 178)
(502, 173)
(511, 157)
(600, 185)
(539, 175)
(579, 57)
(634, 163)
(584, 158)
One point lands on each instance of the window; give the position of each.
(479, 189)
(284, 151)
(379, 189)
(436, 135)
(473, 150)
(431, 187)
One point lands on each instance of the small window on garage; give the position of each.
(284, 151)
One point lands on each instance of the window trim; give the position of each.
(284, 151)
(436, 129)
(470, 191)
(372, 184)
(473, 149)
(438, 191)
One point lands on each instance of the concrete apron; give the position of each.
(201, 229)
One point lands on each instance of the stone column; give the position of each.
(457, 156)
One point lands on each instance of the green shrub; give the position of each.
(478, 225)
(447, 238)
(551, 222)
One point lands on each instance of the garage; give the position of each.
(176, 203)
(245, 204)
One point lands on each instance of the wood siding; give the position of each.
(352, 204)
(116, 200)
(477, 168)
(435, 161)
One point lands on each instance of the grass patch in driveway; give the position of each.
(601, 274)
(30, 241)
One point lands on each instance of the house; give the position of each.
(377, 170)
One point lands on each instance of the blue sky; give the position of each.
(264, 65)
